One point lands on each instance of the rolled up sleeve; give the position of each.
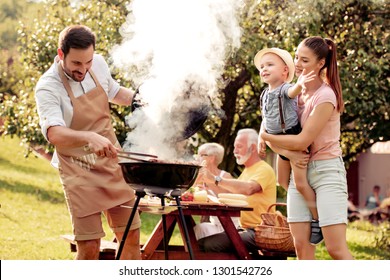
(49, 110)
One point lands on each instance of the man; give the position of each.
(72, 101)
(257, 181)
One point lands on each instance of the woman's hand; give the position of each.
(205, 175)
(261, 148)
(298, 158)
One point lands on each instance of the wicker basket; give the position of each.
(274, 234)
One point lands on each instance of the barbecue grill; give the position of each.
(156, 178)
(161, 180)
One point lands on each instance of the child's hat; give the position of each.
(284, 55)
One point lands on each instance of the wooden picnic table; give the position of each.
(154, 246)
(154, 249)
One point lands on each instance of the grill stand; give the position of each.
(131, 218)
(164, 223)
(174, 194)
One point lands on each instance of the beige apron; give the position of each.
(91, 183)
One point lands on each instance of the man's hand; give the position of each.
(101, 146)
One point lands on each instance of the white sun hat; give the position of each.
(284, 55)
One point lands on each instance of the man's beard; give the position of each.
(73, 74)
(243, 159)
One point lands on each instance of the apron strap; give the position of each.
(64, 80)
(94, 78)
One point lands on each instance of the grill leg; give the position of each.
(164, 223)
(183, 222)
(135, 209)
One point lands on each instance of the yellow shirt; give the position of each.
(264, 174)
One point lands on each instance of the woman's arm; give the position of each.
(298, 158)
(312, 128)
(261, 146)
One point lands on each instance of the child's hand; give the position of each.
(305, 78)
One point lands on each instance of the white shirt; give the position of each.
(53, 103)
(203, 230)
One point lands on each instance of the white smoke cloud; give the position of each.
(175, 50)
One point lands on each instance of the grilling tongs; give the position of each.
(129, 155)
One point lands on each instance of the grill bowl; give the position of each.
(157, 178)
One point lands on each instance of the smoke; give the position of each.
(174, 51)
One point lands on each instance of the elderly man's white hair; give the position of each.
(252, 135)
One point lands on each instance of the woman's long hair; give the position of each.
(326, 49)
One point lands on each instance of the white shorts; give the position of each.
(328, 179)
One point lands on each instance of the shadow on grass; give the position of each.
(6, 164)
(41, 194)
(7, 217)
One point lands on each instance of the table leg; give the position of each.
(157, 236)
(234, 237)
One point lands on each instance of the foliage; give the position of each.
(11, 11)
(360, 30)
(358, 27)
(38, 46)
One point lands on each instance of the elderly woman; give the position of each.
(211, 156)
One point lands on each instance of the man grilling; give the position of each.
(73, 105)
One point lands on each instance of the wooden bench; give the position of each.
(274, 255)
(107, 248)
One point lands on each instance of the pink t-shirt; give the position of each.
(326, 145)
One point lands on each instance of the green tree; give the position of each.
(361, 31)
(10, 12)
(360, 28)
(37, 49)
(10, 9)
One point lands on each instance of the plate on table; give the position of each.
(194, 202)
(233, 202)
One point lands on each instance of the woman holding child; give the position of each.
(320, 104)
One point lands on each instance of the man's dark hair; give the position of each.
(76, 37)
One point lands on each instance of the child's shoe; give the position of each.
(316, 233)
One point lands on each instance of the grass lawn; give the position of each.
(33, 214)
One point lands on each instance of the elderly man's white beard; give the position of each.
(242, 159)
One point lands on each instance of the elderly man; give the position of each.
(257, 181)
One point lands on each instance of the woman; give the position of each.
(211, 156)
(320, 104)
